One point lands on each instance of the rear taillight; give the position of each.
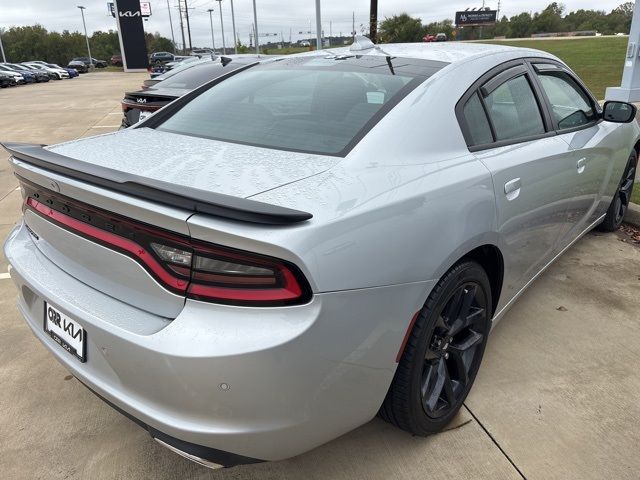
(198, 270)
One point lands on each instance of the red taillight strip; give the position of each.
(102, 236)
(290, 292)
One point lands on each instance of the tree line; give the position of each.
(553, 19)
(35, 42)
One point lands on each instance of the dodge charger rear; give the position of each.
(299, 251)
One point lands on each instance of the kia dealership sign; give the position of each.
(129, 14)
(476, 17)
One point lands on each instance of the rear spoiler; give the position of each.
(187, 198)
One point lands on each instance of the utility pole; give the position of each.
(373, 21)
(233, 24)
(86, 37)
(255, 22)
(173, 39)
(186, 12)
(318, 27)
(4, 59)
(184, 43)
(224, 47)
(213, 40)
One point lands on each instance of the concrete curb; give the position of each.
(633, 215)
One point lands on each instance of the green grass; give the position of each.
(598, 61)
(635, 197)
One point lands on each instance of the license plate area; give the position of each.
(66, 332)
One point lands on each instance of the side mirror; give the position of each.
(619, 112)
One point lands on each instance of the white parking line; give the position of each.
(4, 276)
(105, 126)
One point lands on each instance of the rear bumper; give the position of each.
(261, 383)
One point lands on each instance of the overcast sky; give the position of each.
(274, 16)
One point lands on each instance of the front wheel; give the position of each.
(620, 203)
(442, 354)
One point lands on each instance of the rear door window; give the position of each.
(514, 110)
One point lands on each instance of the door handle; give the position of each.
(581, 165)
(512, 189)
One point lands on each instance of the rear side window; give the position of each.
(570, 104)
(514, 111)
(476, 120)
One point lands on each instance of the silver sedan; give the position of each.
(283, 253)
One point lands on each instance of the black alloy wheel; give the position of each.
(622, 198)
(443, 352)
(454, 347)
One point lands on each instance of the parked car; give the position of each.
(158, 69)
(97, 63)
(138, 105)
(39, 75)
(20, 79)
(54, 73)
(29, 77)
(71, 71)
(7, 80)
(116, 60)
(274, 258)
(429, 38)
(441, 37)
(156, 76)
(161, 57)
(78, 66)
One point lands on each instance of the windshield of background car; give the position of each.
(316, 104)
(197, 75)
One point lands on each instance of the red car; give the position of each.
(116, 60)
(429, 38)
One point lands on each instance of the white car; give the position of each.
(60, 73)
(19, 78)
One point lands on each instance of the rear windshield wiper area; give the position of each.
(187, 198)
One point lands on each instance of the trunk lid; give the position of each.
(204, 164)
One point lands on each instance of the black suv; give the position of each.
(96, 62)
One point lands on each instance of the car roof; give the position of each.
(449, 52)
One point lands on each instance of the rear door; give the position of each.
(511, 132)
(576, 118)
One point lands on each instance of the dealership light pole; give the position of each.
(4, 59)
(86, 37)
(213, 40)
(318, 27)
(224, 47)
(233, 24)
(255, 23)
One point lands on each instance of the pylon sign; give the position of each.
(131, 33)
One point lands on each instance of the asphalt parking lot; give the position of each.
(556, 396)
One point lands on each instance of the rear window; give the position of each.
(316, 105)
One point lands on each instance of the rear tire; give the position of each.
(442, 354)
(620, 203)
